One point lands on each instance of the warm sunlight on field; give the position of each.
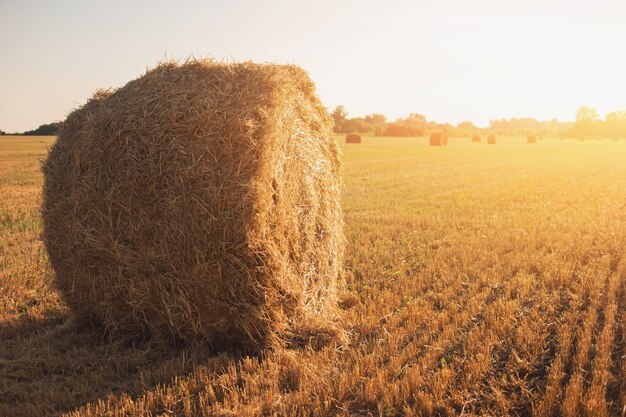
(480, 280)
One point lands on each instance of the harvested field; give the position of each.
(478, 282)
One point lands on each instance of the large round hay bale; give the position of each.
(476, 138)
(438, 139)
(531, 139)
(491, 139)
(353, 138)
(199, 201)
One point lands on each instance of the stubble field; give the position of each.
(479, 280)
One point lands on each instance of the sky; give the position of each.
(450, 60)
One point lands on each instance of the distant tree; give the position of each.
(416, 118)
(446, 127)
(587, 114)
(616, 116)
(377, 123)
(615, 124)
(2, 132)
(464, 129)
(466, 125)
(527, 125)
(397, 129)
(588, 123)
(339, 116)
(376, 119)
(414, 125)
(44, 130)
(357, 124)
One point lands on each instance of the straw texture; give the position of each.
(199, 201)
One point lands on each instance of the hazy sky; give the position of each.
(451, 60)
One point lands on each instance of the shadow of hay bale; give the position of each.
(58, 365)
(51, 366)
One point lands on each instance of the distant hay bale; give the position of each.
(476, 138)
(491, 139)
(438, 139)
(198, 202)
(353, 138)
(531, 139)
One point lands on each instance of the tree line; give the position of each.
(47, 129)
(588, 124)
(413, 125)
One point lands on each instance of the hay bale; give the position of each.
(438, 139)
(353, 138)
(476, 138)
(491, 139)
(199, 201)
(531, 139)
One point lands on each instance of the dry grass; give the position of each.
(199, 201)
(478, 283)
